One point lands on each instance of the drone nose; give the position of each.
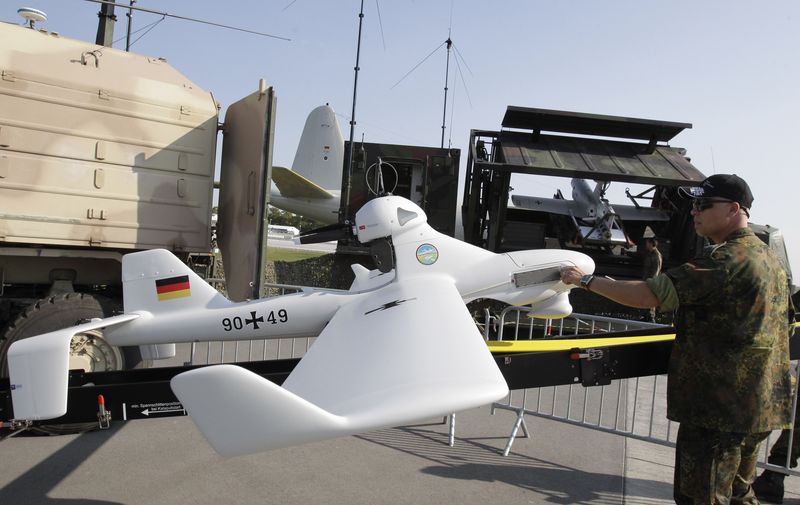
(583, 262)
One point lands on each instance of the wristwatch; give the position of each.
(586, 280)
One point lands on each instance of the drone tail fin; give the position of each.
(157, 281)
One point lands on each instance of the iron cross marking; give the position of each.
(254, 320)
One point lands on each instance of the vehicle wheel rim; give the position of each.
(90, 352)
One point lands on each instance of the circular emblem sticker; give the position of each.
(427, 254)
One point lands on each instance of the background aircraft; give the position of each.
(594, 219)
(312, 187)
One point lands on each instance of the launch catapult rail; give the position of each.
(590, 360)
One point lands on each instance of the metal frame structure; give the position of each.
(586, 152)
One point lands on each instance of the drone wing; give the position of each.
(39, 369)
(549, 205)
(405, 352)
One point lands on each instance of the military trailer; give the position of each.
(428, 176)
(585, 147)
(105, 152)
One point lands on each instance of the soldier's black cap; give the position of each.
(727, 186)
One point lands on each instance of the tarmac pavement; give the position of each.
(167, 461)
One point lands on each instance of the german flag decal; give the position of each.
(173, 287)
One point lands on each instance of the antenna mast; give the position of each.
(185, 18)
(105, 25)
(346, 207)
(446, 80)
(130, 24)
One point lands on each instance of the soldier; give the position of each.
(729, 383)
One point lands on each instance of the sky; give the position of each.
(729, 67)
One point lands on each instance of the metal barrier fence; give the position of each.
(634, 407)
(575, 324)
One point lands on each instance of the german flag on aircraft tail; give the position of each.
(173, 287)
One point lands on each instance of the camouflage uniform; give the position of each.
(729, 379)
(715, 467)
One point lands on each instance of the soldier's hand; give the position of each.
(571, 275)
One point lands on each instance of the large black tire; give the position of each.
(88, 351)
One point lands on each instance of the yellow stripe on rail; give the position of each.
(565, 344)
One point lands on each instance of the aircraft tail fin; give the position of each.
(38, 370)
(320, 152)
(260, 416)
(157, 281)
(293, 185)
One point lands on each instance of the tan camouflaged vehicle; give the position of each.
(105, 152)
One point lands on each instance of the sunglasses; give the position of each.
(701, 204)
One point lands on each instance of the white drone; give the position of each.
(397, 347)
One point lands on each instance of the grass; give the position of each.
(280, 254)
